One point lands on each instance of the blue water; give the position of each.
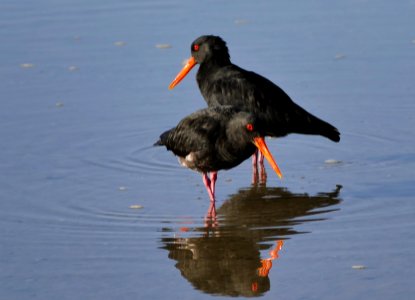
(90, 210)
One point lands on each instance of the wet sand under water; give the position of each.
(90, 210)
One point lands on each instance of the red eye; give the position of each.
(196, 47)
(250, 127)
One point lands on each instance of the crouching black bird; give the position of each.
(216, 138)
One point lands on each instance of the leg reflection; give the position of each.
(211, 219)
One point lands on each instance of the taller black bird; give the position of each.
(224, 83)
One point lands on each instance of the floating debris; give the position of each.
(413, 41)
(122, 188)
(27, 65)
(339, 56)
(73, 68)
(59, 104)
(163, 46)
(332, 161)
(120, 43)
(136, 206)
(241, 22)
(358, 267)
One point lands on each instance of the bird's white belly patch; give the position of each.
(187, 161)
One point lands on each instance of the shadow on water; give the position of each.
(223, 257)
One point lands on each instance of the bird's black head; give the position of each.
(243, 128)
(207, 49)
(210, 48)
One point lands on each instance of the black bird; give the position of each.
(223, 83)
(213, 139)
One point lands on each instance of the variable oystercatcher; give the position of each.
(213, 139)
(223, 83)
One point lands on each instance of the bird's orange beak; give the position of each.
(191, 62)
(259, 142)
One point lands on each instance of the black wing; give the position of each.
(197, 132)
(254, 93)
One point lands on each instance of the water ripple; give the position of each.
(122, 155)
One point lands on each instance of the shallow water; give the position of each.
(90, 210)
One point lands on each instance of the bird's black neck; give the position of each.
(212, 65)
(208, 74)
(238, 144)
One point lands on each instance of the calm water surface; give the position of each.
(90, 210)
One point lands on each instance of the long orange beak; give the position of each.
(191, 62)
(259, 142)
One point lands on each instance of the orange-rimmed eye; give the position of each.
(250, 127)
(196, 47)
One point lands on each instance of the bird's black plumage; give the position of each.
(212, 139)
(223, 83)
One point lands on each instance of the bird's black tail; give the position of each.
(158, 143)
(320, 127)
(163, 138)
(305, 123)
(332, 134)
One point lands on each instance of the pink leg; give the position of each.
(261, 158)
(213, 177)
(255, 159)
(208, 183)
(255, 167)
(254, 175)
(258, 160)
(210, 220)
(263, 175)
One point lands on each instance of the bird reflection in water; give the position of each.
(225, 259)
